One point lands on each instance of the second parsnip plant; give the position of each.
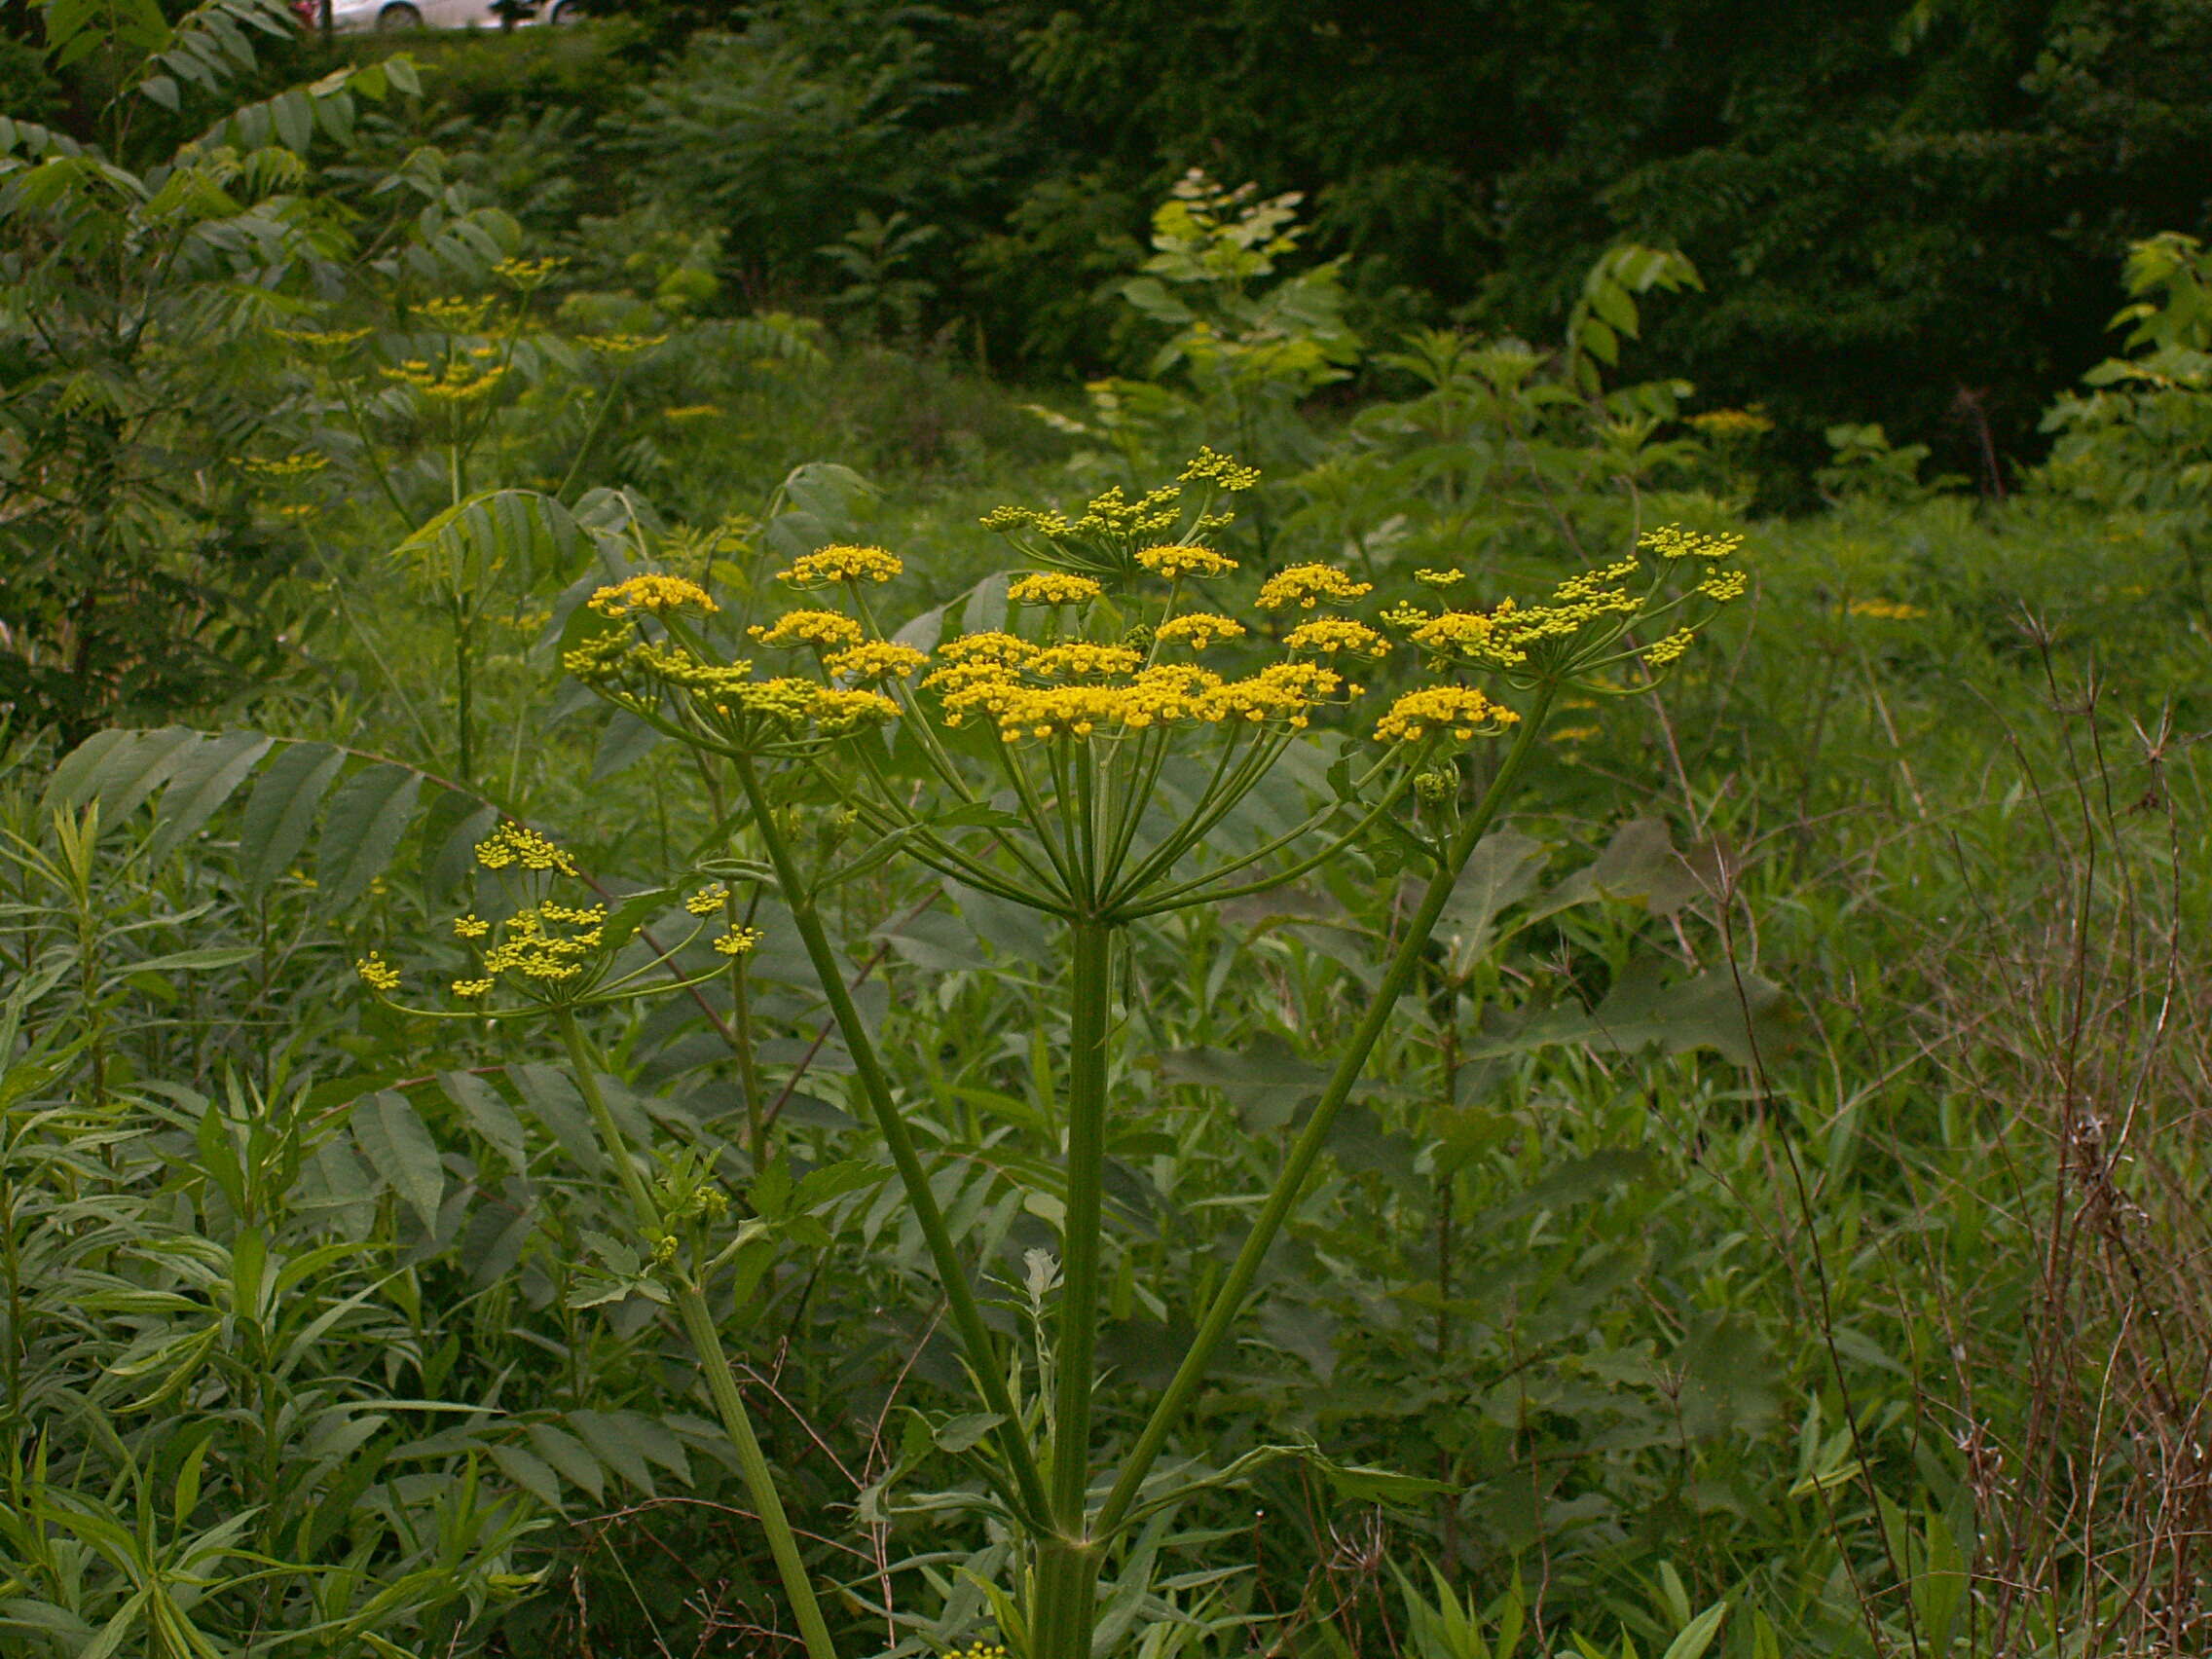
(1120, 747)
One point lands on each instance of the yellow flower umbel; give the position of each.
(1583, 636)
(829, 565)
(654, 595)
(1115, 541)
(1307, 585)
(822, 630)
(546, 955)
(673, 680)
(1125, 762)
(1052, 587)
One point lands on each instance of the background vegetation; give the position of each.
(1786, 1196)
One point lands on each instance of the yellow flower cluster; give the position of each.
(285, 466)
(875, 660)
(1177, 560)
(322, 339)
(527, 273)
(456, 315)
(470, 927)
(1115, 538)
(657, 593)
(532, 946)
(377, 974)
(1731, 423)
(1052, 587)
(625, 344)
(1221, 471)
(1439, 578)
(841, 564)
(1723, 585)
(1024, 689)
(1081, 660)
(834, 713)
(512, 845)
(1661, 652)
(738, 941)
(1309, 585)
(1326, 636)
(1460, 709)
(461, 380)
(1199, 629)
(708, 900)
(1673, 542)
(825, 630)
(1886, 611)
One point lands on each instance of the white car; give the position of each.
(353, 16)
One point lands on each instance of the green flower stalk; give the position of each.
(1084, 761)
(551, 960)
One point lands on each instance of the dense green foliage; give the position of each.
(1773, 1224)
(1905, 214)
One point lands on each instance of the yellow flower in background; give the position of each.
(511, 847)
(622, 345)
(838, 563)
(527, 273)
(1307, 585)
(1222, 471)
(456, 315)
(875, 660)
(1177, 560)
(1731, 424)
(1887, 610)
(1326, 636)
(1198, 631)
(655, 594)
(1052, 587)
(1461, 710)
(283, 466)
(737, 942)
(1080, 660)
(1673, 542)
(825, 630)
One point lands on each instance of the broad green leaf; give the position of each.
(488, 1114)
(124, 773)
(1697, 1636)
(392, 1138)
(555, 1104)
(613, 1445)
(568, 1454)
(367, 817)
(196, 961)
(530, 1472)
(201, 780)
(281, 810)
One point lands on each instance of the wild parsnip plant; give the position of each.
(1082, 761)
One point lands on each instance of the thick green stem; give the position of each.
(465, 701)
(875, 1086)
(1067, 1565)
(707, 1345)
(1228, 1299)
